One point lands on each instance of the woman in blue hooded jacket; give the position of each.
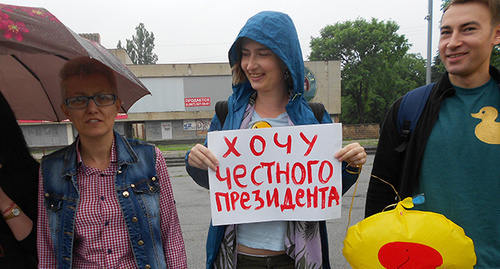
(268, 87)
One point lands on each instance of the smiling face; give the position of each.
(262, 67)
(467, 39)
(92, 122)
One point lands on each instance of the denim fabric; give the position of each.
(137, 190)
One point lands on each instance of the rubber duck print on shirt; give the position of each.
(488, 130)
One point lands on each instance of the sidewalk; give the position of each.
(193, 207)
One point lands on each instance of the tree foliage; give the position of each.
(437, 68)
(140, 48)
(376, 67)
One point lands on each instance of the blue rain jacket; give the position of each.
(276, 31)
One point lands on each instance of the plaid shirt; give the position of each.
(101, 236)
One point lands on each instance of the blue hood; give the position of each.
(276, 31)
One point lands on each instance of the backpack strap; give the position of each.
(411, 107)
(318, 109)
(221, 110)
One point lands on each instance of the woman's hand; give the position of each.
(201, 157)
(354, 154)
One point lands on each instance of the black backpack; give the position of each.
(221, 110)
(409, 112)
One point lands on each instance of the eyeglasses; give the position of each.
(80, 102)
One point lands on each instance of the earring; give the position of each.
(287, 74)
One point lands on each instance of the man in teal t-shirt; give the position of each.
(460, 167)
(453, 154)
(460, 171)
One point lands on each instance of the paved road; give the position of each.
(193, 206)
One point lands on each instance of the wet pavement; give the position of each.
(193, 206)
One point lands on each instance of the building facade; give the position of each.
(182, 101)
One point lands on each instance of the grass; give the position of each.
(176, 147)
(362, 142)
(186, 147)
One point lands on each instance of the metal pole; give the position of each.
(429, 44)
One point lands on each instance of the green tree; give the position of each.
(495, 57)
(444, 3)
(437, 68)
(376, 67)
(140, 48)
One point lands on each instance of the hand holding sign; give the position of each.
(283, 173)
(354, 154)
(201, 157)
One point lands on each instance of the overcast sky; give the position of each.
(200, 31)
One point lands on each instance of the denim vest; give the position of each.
(138, 193)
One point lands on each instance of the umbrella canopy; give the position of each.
(34, 45)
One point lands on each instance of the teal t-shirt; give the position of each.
(460, 173)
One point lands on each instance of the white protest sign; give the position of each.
(281, 173)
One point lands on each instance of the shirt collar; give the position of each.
(113, 158)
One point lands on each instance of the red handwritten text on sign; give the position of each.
(274, 174)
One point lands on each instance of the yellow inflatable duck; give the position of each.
(408, 239)
(488, 130)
